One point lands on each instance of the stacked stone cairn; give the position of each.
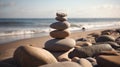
(61, 42)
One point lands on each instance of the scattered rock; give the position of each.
(89, 51)
(28, 56)
(105, 38)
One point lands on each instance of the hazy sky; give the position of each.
(48, 8)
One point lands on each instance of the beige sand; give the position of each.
(6, 50)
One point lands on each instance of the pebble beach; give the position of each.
(94, 48)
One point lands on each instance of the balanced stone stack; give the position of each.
(61, 42)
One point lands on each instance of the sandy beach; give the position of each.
(7, 50)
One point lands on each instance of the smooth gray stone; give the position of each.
(60, 33)
(60, 44)
(89, 51)
(60, 25)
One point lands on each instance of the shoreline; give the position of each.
(7, 49)
(13, 38)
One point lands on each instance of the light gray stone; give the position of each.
(60, 25)
(60, 33)
(60, 44)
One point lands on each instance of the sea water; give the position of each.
(12, 29)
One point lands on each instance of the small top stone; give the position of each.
(61, 14)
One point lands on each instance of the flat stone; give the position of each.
(61, 14)
(28, 56)
(89, 51)
(108, 61)
(60, 44)
(62, 64)
(60, 33)
(60, 25)
(61, 19)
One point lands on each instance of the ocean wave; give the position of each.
(47, 29)
(23, 32)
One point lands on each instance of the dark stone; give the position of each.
(89, 51)
(105, 38)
